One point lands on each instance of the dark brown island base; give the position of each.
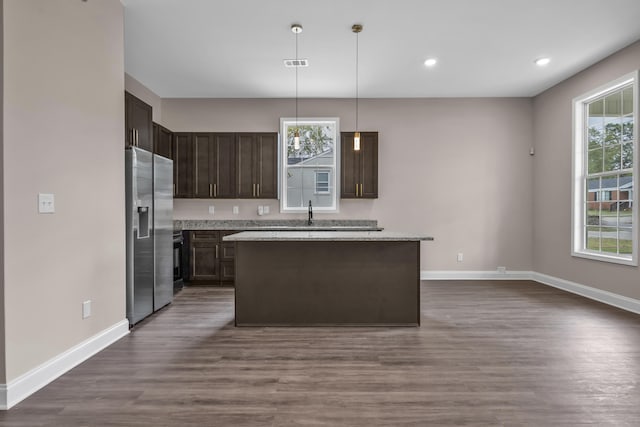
(322, 278)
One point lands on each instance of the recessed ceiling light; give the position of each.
(541, 62)
(430, 62)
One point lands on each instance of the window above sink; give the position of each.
(309, 171)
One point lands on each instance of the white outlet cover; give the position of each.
(46, 203)
(86, 309)
(212, 209)
(260, 210)
(236, 210)
(266, 210)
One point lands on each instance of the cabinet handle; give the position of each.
(215, 190)
(258, 192)
(193, 262)
(210, 190)
(254, 190)
(361, 189)
(216, 251)
(137, 138)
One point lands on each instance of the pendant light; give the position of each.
(296, 29)
(357, 28)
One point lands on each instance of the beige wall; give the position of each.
(63, 134)
(552, 181)
(136, 88)
(457, 169)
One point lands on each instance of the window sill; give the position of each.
(605, 258)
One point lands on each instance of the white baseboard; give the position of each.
(32, 381)
(606, 297)
(620, 301)
(475, 275)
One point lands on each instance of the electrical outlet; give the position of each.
(260, 210)
(212, 209)
(86, 309)
(236, 210)
(502, 270)
(46, 203)
(266, 209)
(460, 256)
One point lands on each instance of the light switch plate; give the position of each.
(235, 210)
(266, 209)
(46, 203)
(260, 210)
(212, 209)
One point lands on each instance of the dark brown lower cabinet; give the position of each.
(211, 261)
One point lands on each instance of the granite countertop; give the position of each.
(278, 225)
(273, 236)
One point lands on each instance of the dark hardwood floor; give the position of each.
(487, 353)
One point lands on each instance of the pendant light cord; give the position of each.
(357, 37)
(297, 66)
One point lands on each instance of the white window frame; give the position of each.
(334, 174)
(579, 168)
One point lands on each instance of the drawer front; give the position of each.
(205, 235)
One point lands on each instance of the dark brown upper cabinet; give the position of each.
(182, 165)
(138, 123)
(214, 169)
(162, 141)
(359, 169)
(257, 165)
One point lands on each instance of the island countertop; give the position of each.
(273, 236)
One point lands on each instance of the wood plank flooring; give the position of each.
(487, 353)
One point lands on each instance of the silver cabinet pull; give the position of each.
(215, 190)
(210, 190)
(254, 190)
(258, 192)
(216, 251)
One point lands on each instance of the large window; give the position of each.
(605, 218)
(309, 172)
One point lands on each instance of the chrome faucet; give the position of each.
(310, 220)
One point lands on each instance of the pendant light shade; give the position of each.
(356, 28)
(296, 29)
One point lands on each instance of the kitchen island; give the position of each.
(316, 278)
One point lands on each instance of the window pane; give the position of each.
(627, 129)
(612, 157)
(627, 101)
(625, 242)
(595, 160)
(593, 213)
(627, 156)
(613, 104)
(612, 130)
(593, 238)
(596, 124)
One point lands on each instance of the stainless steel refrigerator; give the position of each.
(149, 225)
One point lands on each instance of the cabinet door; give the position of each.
(349, 167)
(227, 272)
(223, 164)
(162, 141)
(246, 186)
(369, 165)
(203, 149)
(204, 262)
(182, 165)
(138, 123)
(266, 165)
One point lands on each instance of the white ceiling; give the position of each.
(236, 48)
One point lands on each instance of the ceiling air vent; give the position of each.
(292, 63)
